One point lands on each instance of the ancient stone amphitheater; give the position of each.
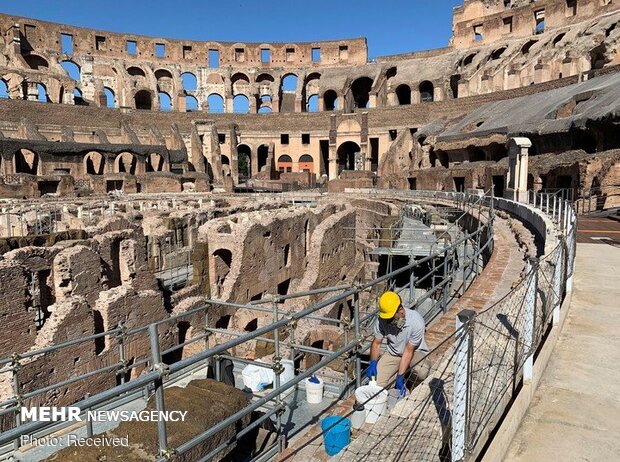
(171, 207)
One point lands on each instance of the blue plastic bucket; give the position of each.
(336, 434)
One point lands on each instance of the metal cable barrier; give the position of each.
(473, 373)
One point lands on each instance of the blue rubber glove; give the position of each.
(372, 369)
(400, 385)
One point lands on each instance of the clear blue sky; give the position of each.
(391, 26)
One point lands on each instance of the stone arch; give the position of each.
(240, 84)
(262, 156)
(241, 104)
(125, 162)
(226, 168)
(403, 94)
(42, 95)
(306, 163)
(71, 68)
(136, 71)
(190, 83)
(215, 103)
(288, 83)
(163, 74)
(143, 99)
(191, 104)
(109, 97)
(94, 163)
(346, 155)
(4, 89)
(311, 91)
(154, 162)
(26, 161)
(360, 89)
(215, 79)
(36, 62)
(323, 337)
(222, 262)
(427, 91)
(244, 160)
(165, 101)
(284, 164)
(330, 101)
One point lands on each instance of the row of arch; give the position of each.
(28, 161)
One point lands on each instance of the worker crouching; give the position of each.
(406, 348)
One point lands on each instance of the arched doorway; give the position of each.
(26, 161)
(125, 162)
(94, 163)
(154, 162)
(306, 163)
(361, 92)
(403, 94)
(427, 92)
(262, 154)
(285, 164)
(346, 155)
(244, 161)
(330, 101)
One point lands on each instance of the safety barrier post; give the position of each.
(462, 384)
(356, 322)
(529, 328)
(557, 284)
(157, 365)
(15, 367)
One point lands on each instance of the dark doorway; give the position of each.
(498, 185)
(459, 183)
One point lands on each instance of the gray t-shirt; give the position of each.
(412, 332)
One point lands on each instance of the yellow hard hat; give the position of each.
(388, 304)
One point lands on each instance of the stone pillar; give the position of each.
(517, 169)
(333, 162)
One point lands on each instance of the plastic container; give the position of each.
(393, 398)
(288, 374)
(358, 418)
(256, 378)
(314, 391)
(375, 405)
(336, 434)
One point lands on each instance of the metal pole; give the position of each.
(278, 369)
(529, 328)
(462, 372)
(356, 324)
(89, 423)
(159, 389)
(17, 394)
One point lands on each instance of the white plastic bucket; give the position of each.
(314, 391)
(288, 374)
(374, 406)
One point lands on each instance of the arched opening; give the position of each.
(360, 88)
(330, 100)
(215, 104)
(284, 164)
(558, 38)
(289, 83)
(426, 91)
(135, 71)
(109, 97)
(525, 49)
(72, 69)
(189, 81)
(313, 104)
(163, 74)
(26, 161)
(4, 89)
(99, 328)
(469, 59)
(154, 162)
(95, 163)
(222, 260)
(264, 104)
(226, 170)
(165, 102)
(251, 326)
(244, 161)
(36, 62)
(306, 163)
(265, 110)
(78, 99)
(191, 104)
(497, 53)
(125, 162)
(223, 322)
(42, 93)
(403, 94)
(346, 155)
(142, 100)
(454, 85)
(241, 104)
(262, 154)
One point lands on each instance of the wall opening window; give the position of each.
(99, 42)
(290, 54)
(316, 55)
(571, 8)
(284, 138)
(187, 52)
(132, 47)
(109, 97)
(221, 138)
(239, 55)
(265, 55)
(343, 52)
(305, 138)
(478, 36)
(214, 59)
(241, 104)
(66, 43)
(539, 17)
(215, 103)
(160, 50)
(507, 25)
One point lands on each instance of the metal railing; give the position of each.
(475, 369)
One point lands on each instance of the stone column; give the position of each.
(517, 169)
